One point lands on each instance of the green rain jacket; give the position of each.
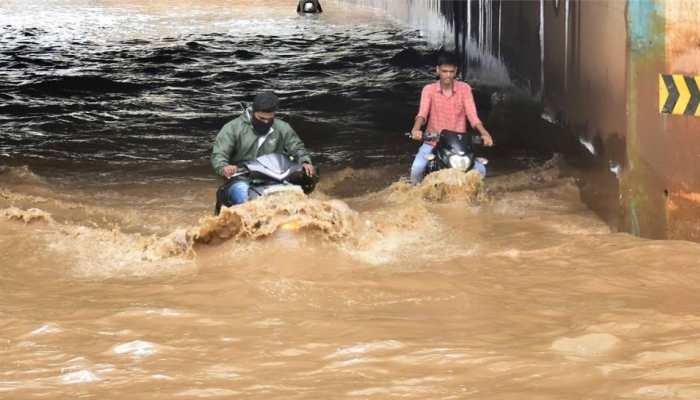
(237, 142)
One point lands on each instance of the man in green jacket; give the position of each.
(255, 133)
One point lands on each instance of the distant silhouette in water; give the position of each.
(309, 7)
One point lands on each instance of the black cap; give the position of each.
(265, 102)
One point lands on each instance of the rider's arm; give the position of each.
(423, 111)
(420, 121)
(416, 132)
(473, 117)
(295, 147)
(470, 107)
(222, 149)
(485, 135)
(424, 108)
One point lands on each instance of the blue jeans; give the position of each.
(421, 162)
(238, 192)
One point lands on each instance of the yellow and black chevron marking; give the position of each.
(679, 94)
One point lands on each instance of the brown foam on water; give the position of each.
(263, 217)
(94, 252)
(394, 232)
(397, 224)
(375, 237)
(101, 253)
(453, 185)
(404, 215)
(378, 235)
(443, 186)
(26, 216)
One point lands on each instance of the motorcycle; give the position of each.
(309, 7)
(453, 150)
(268, 174)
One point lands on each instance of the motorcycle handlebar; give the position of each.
(430, 136)
(426, 136)
(240, 172)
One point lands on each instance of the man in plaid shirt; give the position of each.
(445, 104)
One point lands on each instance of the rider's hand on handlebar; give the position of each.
(229, 170)
(416, 134)
(309, 169)
(488, 141)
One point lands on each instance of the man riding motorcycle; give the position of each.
(254, 133)
(309, 6)
(445, 105)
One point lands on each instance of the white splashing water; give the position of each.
(482, 47)
(541, 47)
(421, 14)
(481, 25)
(469, 20)
(489, 30)
(500, 25)
(82, 376)
(46, 329)
(566, 45)
(137, 348)
(587, 144)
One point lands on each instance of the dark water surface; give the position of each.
(94, 86)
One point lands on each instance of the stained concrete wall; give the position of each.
(595, 66)
(585, 89)
(661, 190)
(682, 144)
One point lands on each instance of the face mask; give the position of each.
(261, 128)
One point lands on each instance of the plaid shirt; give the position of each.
(451, 112)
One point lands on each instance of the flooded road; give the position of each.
(116, 281)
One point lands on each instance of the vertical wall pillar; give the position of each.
(642, 185)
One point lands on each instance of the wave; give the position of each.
(80, 84)
(265, 216)
(26, 216)
(448, 185)
(246, 54)
(20, 174)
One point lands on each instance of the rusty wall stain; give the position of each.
(682, 133)
(683, 37)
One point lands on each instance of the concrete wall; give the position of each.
(584, 73)
(661, 191)
(682, 133)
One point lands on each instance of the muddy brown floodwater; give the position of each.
(455, 289)
(116, 282)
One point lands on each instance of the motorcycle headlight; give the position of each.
(460, 162)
